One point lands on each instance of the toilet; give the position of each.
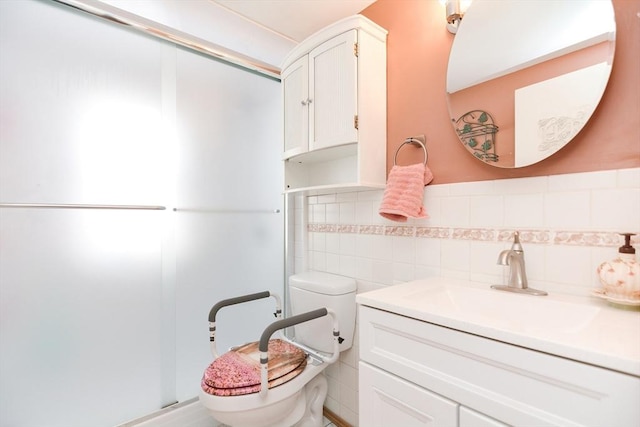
(296, 393)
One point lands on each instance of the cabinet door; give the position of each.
(333, 68)
(295, 87)
(471, 418)
(387, 400)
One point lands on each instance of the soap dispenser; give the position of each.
(620, 277)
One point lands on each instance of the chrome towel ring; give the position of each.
(417, 140)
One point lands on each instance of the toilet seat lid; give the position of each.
(237, 371)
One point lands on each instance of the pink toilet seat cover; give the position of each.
(237, 372)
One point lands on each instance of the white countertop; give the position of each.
(589, 330)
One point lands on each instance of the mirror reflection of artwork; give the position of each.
(477, 132)
(503, 49)
(554, 132)
(550, 113)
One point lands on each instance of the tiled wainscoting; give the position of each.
(568, 224)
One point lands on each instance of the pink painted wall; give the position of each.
(418, 52)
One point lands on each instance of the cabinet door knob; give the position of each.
(309, 101)
(303, 102)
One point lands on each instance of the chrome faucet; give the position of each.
(514, 258)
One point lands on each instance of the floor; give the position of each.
(327, 423)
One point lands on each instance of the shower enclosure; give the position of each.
(140, 182)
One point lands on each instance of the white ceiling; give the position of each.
(295, 19)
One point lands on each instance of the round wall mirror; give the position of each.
(524, 77)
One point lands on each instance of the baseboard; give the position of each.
(189, 413)
(192, 414)
(335, 419)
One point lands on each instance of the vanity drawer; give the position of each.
(512, 384)
(471, 418)
(386, 400)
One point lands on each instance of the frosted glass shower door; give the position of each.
(81, 295)
(229, 222)
(104, 312)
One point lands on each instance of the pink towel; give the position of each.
(403, 195)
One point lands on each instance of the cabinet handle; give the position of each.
(309, 101)
(303, 102)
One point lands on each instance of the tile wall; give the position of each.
(568, 224)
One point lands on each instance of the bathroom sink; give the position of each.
(579, 328)
(514, 311)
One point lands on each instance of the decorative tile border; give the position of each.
(371, 229)
(349, 229)
(526, 236)
(545, 237)
(473, 234)
(400, 230)
(577, 238)
(433, 232)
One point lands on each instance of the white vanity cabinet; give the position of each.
(388, 400)
(470, 418)
(417, 373)
(334, 93)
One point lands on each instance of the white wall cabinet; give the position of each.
(333, 106)
(295, 87)
(424, 374)
(334, 92)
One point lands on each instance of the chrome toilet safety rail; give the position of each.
(415, 140)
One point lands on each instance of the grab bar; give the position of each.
(232, 301)
(80, 206)
(285, 323)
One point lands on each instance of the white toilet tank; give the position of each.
(312, 290)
